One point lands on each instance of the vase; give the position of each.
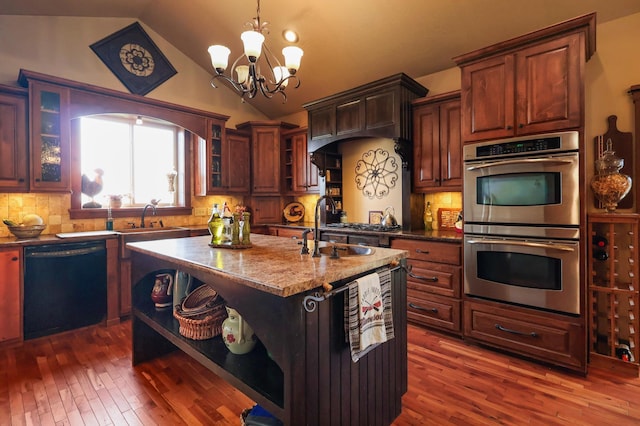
(238, 336)
(609, 185)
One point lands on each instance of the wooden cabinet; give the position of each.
(266, 210)
(547, 337)
(379, 109)
(223, 161)
(437, 145)
(433, 283)
(10, 296)
(300, 174)
(528, 85)
(49, 138)
(266, 172)
(14, 167)
(613, 291)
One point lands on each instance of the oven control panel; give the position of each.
(533, 145)
(540, 144)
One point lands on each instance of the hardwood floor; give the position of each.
(85, 378)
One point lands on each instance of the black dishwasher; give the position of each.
(65, 287)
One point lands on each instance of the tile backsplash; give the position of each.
(54, 209)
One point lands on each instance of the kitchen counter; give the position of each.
(272, 264)
(301, 369)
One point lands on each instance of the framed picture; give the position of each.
(375, 217)
(135, 59)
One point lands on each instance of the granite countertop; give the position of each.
(272, 264)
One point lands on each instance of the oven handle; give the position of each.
(521, 161)
(523, 244)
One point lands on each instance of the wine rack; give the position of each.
(613, 291)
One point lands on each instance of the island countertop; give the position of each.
(271, 264)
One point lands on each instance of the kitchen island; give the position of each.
(301, 370)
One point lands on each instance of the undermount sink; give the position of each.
(347, 250)
(130, 235)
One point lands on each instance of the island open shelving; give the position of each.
(301, 370)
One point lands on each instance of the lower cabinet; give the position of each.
(433, 283)
(552, 338)
(10, 296)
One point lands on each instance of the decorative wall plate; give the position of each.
(294, 212)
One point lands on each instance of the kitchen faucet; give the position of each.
(316, 243)
(144, 211)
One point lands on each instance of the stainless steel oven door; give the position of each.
(534, 272)
(531, 190)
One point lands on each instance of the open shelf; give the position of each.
(255, 373)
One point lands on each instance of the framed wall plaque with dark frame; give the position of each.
(135, 59)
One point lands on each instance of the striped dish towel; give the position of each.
(368, 317)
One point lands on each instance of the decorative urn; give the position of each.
(609, 185)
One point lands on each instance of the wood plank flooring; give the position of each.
(85, 377)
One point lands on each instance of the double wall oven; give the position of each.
(521, 205)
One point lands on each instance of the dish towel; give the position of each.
(368, 315)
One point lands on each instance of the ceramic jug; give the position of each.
(237, 334)
(162, 292)
(181, 287)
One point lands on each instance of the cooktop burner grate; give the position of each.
(364, 227)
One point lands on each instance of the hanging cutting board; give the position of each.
(622, 145)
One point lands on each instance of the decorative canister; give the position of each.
(237, 334)
(609, 185)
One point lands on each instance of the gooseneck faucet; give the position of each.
(316, 243)
(144, 211)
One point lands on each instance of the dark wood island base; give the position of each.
(301, 370)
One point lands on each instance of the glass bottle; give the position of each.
(235, 229)
(215, 225)
(428, 217)
(246, 230)
(609, 185)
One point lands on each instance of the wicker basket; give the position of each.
(201, 314)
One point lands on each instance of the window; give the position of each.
(129, 162)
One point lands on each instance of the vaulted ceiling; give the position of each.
(347, 43)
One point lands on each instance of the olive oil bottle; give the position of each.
(216, 225)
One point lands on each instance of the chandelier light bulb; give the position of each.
(219, 57)
(242, 71)
(252, 44)
(281, 74)
(292, 58)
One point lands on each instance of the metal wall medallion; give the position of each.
(376, 173)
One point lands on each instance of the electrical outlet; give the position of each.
(200, 211)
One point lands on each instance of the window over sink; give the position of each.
(130, 162)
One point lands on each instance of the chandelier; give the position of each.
(250, 80)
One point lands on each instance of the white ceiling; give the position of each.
(347, 43)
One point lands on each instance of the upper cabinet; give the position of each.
(14, 168)
(300, 174)
(49, 137)
(266, 172)
(380, 109)
(223, 161)
(437, 145)
(527, 85)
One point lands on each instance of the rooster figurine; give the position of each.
(92, 188)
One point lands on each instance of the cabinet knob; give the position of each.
(20, 180)
(520, 125)
(14, 258)
(509, 127)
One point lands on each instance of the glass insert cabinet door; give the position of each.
(49, 138)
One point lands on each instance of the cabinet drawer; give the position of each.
(434, 278)
(430, 251)
(433, 311)
(546, 337)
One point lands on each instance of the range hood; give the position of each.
(380, 109)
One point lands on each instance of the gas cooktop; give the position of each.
(364, 227)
